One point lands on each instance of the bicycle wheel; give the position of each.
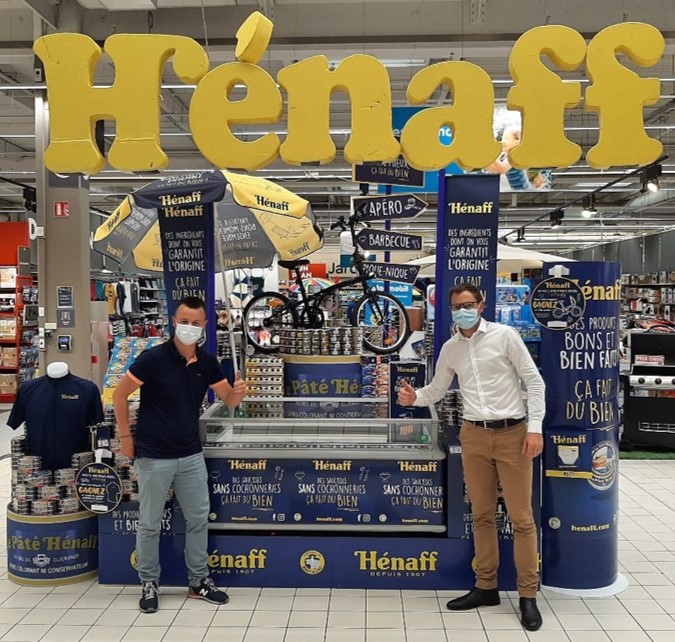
(384, 320)
(264, 317)
(558, 313)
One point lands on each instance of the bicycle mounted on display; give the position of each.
(384, 319)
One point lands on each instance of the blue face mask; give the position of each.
(465, 319)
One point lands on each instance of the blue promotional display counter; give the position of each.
(353, 499)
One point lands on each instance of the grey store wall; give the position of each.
(644, 254)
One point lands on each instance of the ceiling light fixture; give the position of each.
(589, 210)
(650, 178)
(556, 218)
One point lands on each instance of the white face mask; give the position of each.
(188, 334)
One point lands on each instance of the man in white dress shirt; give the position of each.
(498, 443)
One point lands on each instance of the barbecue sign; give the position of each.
(388, 241)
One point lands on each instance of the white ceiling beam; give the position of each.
(267, 8)
(45, 10)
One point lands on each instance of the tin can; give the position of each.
(18, 445)
(39, 478)
(28, 464)
(69, 491)
(64, 476)
(25, 492)
(44, 507)
(69, 505)
(21, 506)
(79, 460)
(50, 493)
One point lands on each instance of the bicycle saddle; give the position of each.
(291, 265)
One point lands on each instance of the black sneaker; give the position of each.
(207, 590)
(149, 602)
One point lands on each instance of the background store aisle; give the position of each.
(6, 433)
(643, 613)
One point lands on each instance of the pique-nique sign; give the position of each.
(616, 94)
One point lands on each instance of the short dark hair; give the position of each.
(192, 302)
(467, 287)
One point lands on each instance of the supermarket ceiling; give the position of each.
(406, 36)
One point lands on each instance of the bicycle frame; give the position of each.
(313, 301)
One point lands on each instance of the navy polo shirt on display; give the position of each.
(172, 393)
(58, 413)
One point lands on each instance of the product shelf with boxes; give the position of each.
(650, 294)
(16, 292)
(513, 309)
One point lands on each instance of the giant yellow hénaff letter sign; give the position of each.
(617, 94)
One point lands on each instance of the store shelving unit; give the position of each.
(649, 295)
(10, 366)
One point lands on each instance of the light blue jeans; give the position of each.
(189, 478)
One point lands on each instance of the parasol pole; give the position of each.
(230, 325)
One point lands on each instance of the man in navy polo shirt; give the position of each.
(174, 378)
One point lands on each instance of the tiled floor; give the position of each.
(643, 613)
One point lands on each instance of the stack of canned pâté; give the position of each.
(40, 492)
(335, 341)
(264, 379)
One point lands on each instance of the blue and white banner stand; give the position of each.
(466, 244)
(577, 305)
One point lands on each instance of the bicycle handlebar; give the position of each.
(339, 223)
(349, 223)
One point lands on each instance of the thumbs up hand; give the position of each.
(407, 394)
(239, 389)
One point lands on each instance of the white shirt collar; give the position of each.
(482, 327)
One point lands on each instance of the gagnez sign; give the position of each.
(616, 93)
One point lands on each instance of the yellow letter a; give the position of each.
(473, 145)
(133, 101)
(619, 94)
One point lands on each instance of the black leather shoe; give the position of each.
(530, 617)
(475, 597)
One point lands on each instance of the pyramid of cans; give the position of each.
(331, 341)
(452, 409)
(123, 464)
(264, 379)
(40, 492)
(375, 380)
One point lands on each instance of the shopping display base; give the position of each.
(302, 560)
(52, 550)
(619, 586)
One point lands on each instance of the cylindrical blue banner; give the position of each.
(52, 550)
(577, 305)
(466, 244)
